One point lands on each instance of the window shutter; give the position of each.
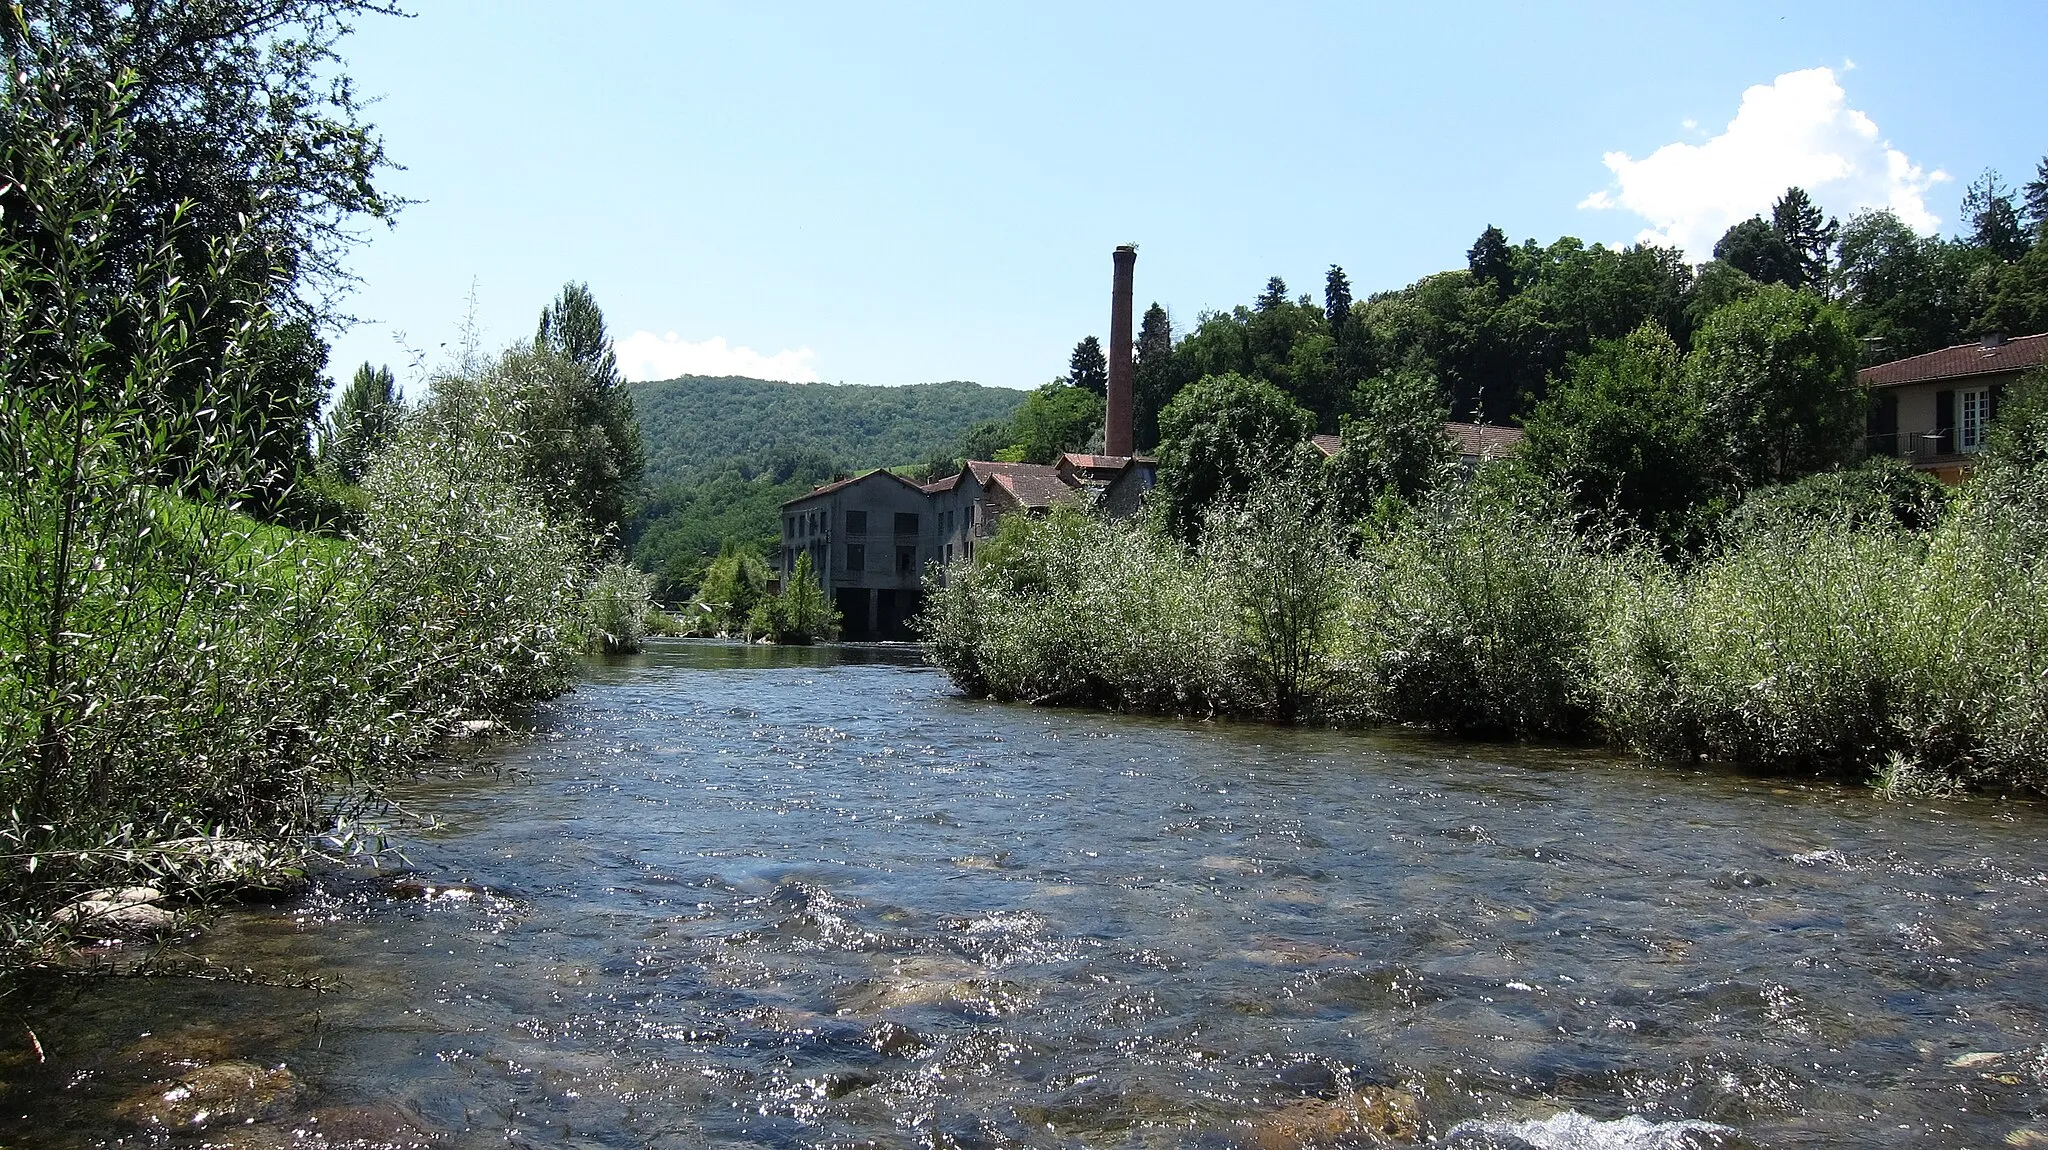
(1945, 422)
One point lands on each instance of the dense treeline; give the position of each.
(1835, 625)
(215, 640)
(1496, 334)
(696, 426)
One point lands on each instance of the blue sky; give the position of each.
(903, 193)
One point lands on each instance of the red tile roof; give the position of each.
(939, 485)
(1483, 440)
(1036, 489)
(1328, 444)
(1959, 362)
(981, 469)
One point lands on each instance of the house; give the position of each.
(869, 538)
(1477, 443)
(1933, 410)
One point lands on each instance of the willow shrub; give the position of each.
(617, 601)
(1074, 609)
(1476, 614)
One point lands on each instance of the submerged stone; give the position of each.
(1356, 1116)
(223, 1094)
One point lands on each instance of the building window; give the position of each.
(906, 523)
(967, 550)
(1973, 415)
(856, 524)
(856, 556)
(970, 517)
(789, 527)
(906, 558)
(949, 552)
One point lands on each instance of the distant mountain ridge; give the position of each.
(694, 424)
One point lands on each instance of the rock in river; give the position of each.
(223, 1094)
(118, 911)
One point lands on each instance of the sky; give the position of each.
(904, 193)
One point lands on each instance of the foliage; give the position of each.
(1904, 295)
(1088, 368)
(1053, 418)
(1881, 492)
(1759, 251)
(1274, 555)
(1776, 373)
(243, 150)
(733, 585)
(1394, 446)
(470, 584)
(695, 427)
(1217, 436)
(573, 447)
(1627, 435)
(800, 614)
(1798, 220)
(361, 424)
(616, 603)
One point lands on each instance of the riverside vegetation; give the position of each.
(215, 648)
(1909, 649)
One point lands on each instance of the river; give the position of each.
(732, 896)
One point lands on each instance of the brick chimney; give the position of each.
(1119, 427)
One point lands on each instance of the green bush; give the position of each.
(801, 614)
(616, 605)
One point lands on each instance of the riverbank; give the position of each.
(1915, 659)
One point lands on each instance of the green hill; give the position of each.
(694, 426)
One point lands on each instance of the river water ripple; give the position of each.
(730, 896)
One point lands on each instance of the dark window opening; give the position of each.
(906, 523)
(856, 557)
(856, 523)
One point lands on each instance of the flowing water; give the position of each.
(728, 896)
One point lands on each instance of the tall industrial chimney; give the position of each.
(1119, 428)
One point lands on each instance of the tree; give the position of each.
(361, 423)
(1337, 302)
(1798, 221)
(575, 451)
(1087, 368)
(733, 585)
(1717, 285)
(1904, 294)
(1052, 419)
(1218, 435)
(242, 130)
(1275, 554)
(1394, 443)
(798, 615)
(1776, 374)
(1155, 374)
(1627, 436)
(582, 434)
(1491, 261)
(1994, 218)
(2019, 301)
(2036, 202)
(1275, 295)
(573, 326)
(1760, 252)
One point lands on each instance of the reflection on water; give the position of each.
(769, 897)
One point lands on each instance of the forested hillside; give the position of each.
(696, 425)
(724, 451)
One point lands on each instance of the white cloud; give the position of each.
(645, 355)
(1797, 130)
